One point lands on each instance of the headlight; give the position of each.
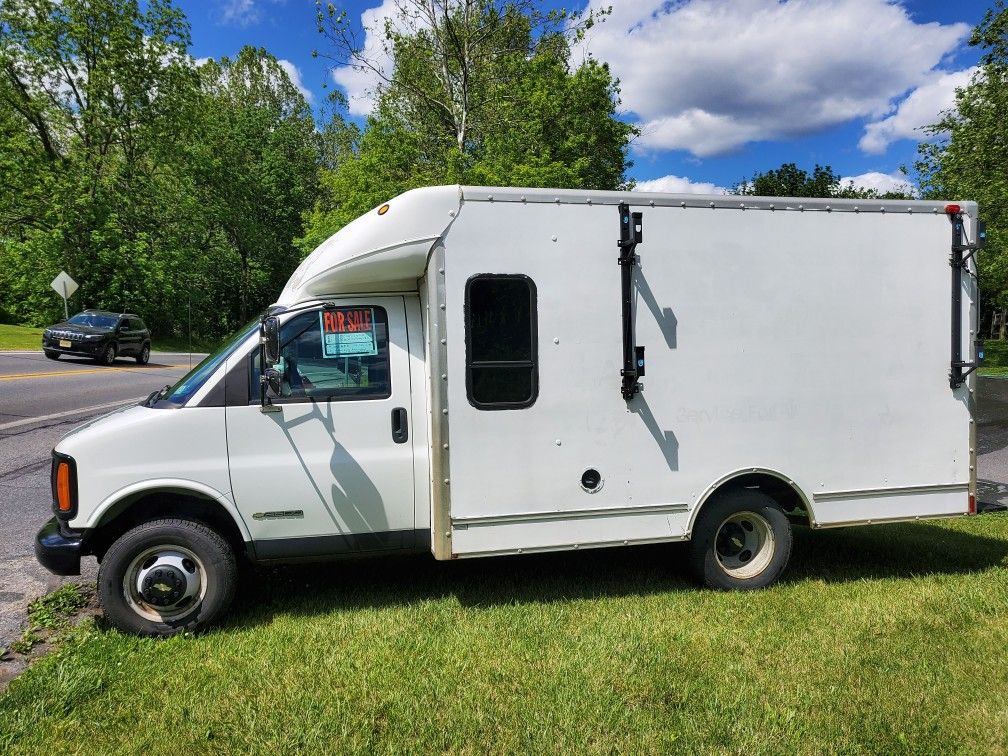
(93, 337)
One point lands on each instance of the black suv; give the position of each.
(99, 334)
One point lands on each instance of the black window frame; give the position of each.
(532, 363)
(250, 360)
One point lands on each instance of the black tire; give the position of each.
(51, 354)
(741, 518)
(107, 356)
(219, 574)
(144, 355)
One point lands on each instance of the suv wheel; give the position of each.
(51, 354)
(165, 577)
(108, 355)
(740, 541)
(144, 355)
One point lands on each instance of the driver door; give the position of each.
(331, 470)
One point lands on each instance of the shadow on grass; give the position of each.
(833, 556)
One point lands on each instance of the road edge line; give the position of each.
(69, 413)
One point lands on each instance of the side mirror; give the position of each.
(270, 334)
(273, 380)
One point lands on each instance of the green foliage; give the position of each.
(160, 186)
(969, 161)
(480, 92)
(50, 614)
(791, 181)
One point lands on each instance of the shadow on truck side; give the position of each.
(899, 551)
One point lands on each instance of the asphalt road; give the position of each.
(40, 400)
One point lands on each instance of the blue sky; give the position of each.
(720, 88)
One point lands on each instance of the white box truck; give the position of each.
(474, 371)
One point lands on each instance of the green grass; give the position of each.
(50, 614)
(13, 337)
(885, 639)
(995, 358)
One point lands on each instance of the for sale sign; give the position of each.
(348, 332)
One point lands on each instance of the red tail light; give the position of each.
(972, 504)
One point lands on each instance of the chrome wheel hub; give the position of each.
(163, 582)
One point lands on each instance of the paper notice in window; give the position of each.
(348, 332)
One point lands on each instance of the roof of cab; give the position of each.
(382, 250)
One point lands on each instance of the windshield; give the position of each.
(93, 320)
(191, 382)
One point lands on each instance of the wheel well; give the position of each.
(778, 489)
(154, 505)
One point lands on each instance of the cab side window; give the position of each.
(502, 371)
(332, 355)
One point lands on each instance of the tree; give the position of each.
(160, 185)
(88, 88)
(969, 159)
(791, 181)
(478, 92)
(256, 162)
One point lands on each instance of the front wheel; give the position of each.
(740, 541)
(166, 576)
(51, 354)
(107, 355)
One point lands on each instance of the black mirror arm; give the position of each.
(265, 405)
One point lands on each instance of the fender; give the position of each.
(717, 484)
(169, 484)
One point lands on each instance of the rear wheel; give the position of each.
(107, 355)
(51, 354)
(167, 576)
(144, 355)
(740, 541)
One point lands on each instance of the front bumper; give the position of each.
(58, 549)
(82, 348)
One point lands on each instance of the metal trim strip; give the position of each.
(708, 202)
(892, 491)
(460, 523)
(440, 457)
(889, 520)
(574, 547)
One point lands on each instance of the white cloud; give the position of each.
(294, 74)
(679, 185)
(921, 108)
(240, 12)
(709, 76)
(880, 182)
(358, 81)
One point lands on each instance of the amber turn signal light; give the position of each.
(63, 500)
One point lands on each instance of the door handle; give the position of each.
(400, 429)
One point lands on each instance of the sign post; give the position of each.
(65, 287)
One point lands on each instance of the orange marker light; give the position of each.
(382, 210)
(63, 487)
